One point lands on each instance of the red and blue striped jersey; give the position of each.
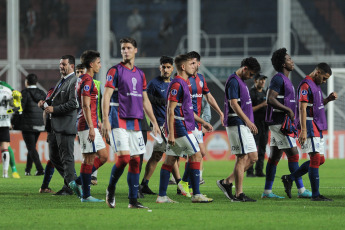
(112, 81)
(85, 87)
(197, 87)
(175, 94)
(305, 95)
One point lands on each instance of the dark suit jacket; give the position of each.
(64, 116)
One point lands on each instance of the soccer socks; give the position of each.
(293, 166)
(164, 179)
(302, 170)
(186, 174)
(145, 182)
(85, 175)
(133, 177)
(271, 169)
(48, 173)
(5, 162)
(314, 174)
(117, 170)
(96, 164)
(12, 160)
(195, 176)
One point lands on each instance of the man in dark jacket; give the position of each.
(32, 122)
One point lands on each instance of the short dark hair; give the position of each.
(166, 59)
(31, 79)
(181, 59)
(128, 40)
(252, 64)
(278, 59)
(71, 59)
(324, 67)
(194, 54)
(80, 66)
(89, 56)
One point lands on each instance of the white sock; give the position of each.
(200, 174)
(5, 161)
(267, 191)
(301, 190)
(94, 173)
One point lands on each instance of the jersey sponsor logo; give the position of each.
(173, 92)
(196, 95)
(86, 88)
(201, 84)
(109, 78)
(304, 92)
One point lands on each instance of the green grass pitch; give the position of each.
(22, 207)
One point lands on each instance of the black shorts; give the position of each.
(4, 134)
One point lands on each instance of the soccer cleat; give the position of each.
(91, 199)
(145, 189)
(305, 194)
(251, 175)
(287, 184)
(41, 173)
(46, 190)
(320, 198)
(164, 199)
(172, 181)
(136, 205)
(110, 198)
(64, 192)
(94, 180)
(191, 191)
(15, 175)
(202, 181)
(76, 189)
(200, 198)
(260, 174)
(243, 198)
(27, 174)
(271, 195)
(183, 186)
(226, 189)
(178, 191)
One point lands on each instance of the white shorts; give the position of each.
(198, 135)
(127, 140)
(279, 139)
(241, 139)
(186, 145)
(90, 147)
(314, 144)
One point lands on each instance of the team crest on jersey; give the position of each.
(201, 84)
(109, 78)
(304, 92)
(86, 88)
(173, 92)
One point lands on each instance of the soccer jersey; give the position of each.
(112, 81)
(158, 88)
(86, 87)
(177, 94)
(232, 92)
(305, 95)
(197, 87)
(286, 96)
(5, 98)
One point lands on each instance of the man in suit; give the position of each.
(62, 110)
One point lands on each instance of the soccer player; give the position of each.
(7, 97)
(157, 93)
(311, 121)
(198, 88)
(91, 141)
(179, 125)
(124, 102)
(281, 105)
(80, 70)
(239, 122)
